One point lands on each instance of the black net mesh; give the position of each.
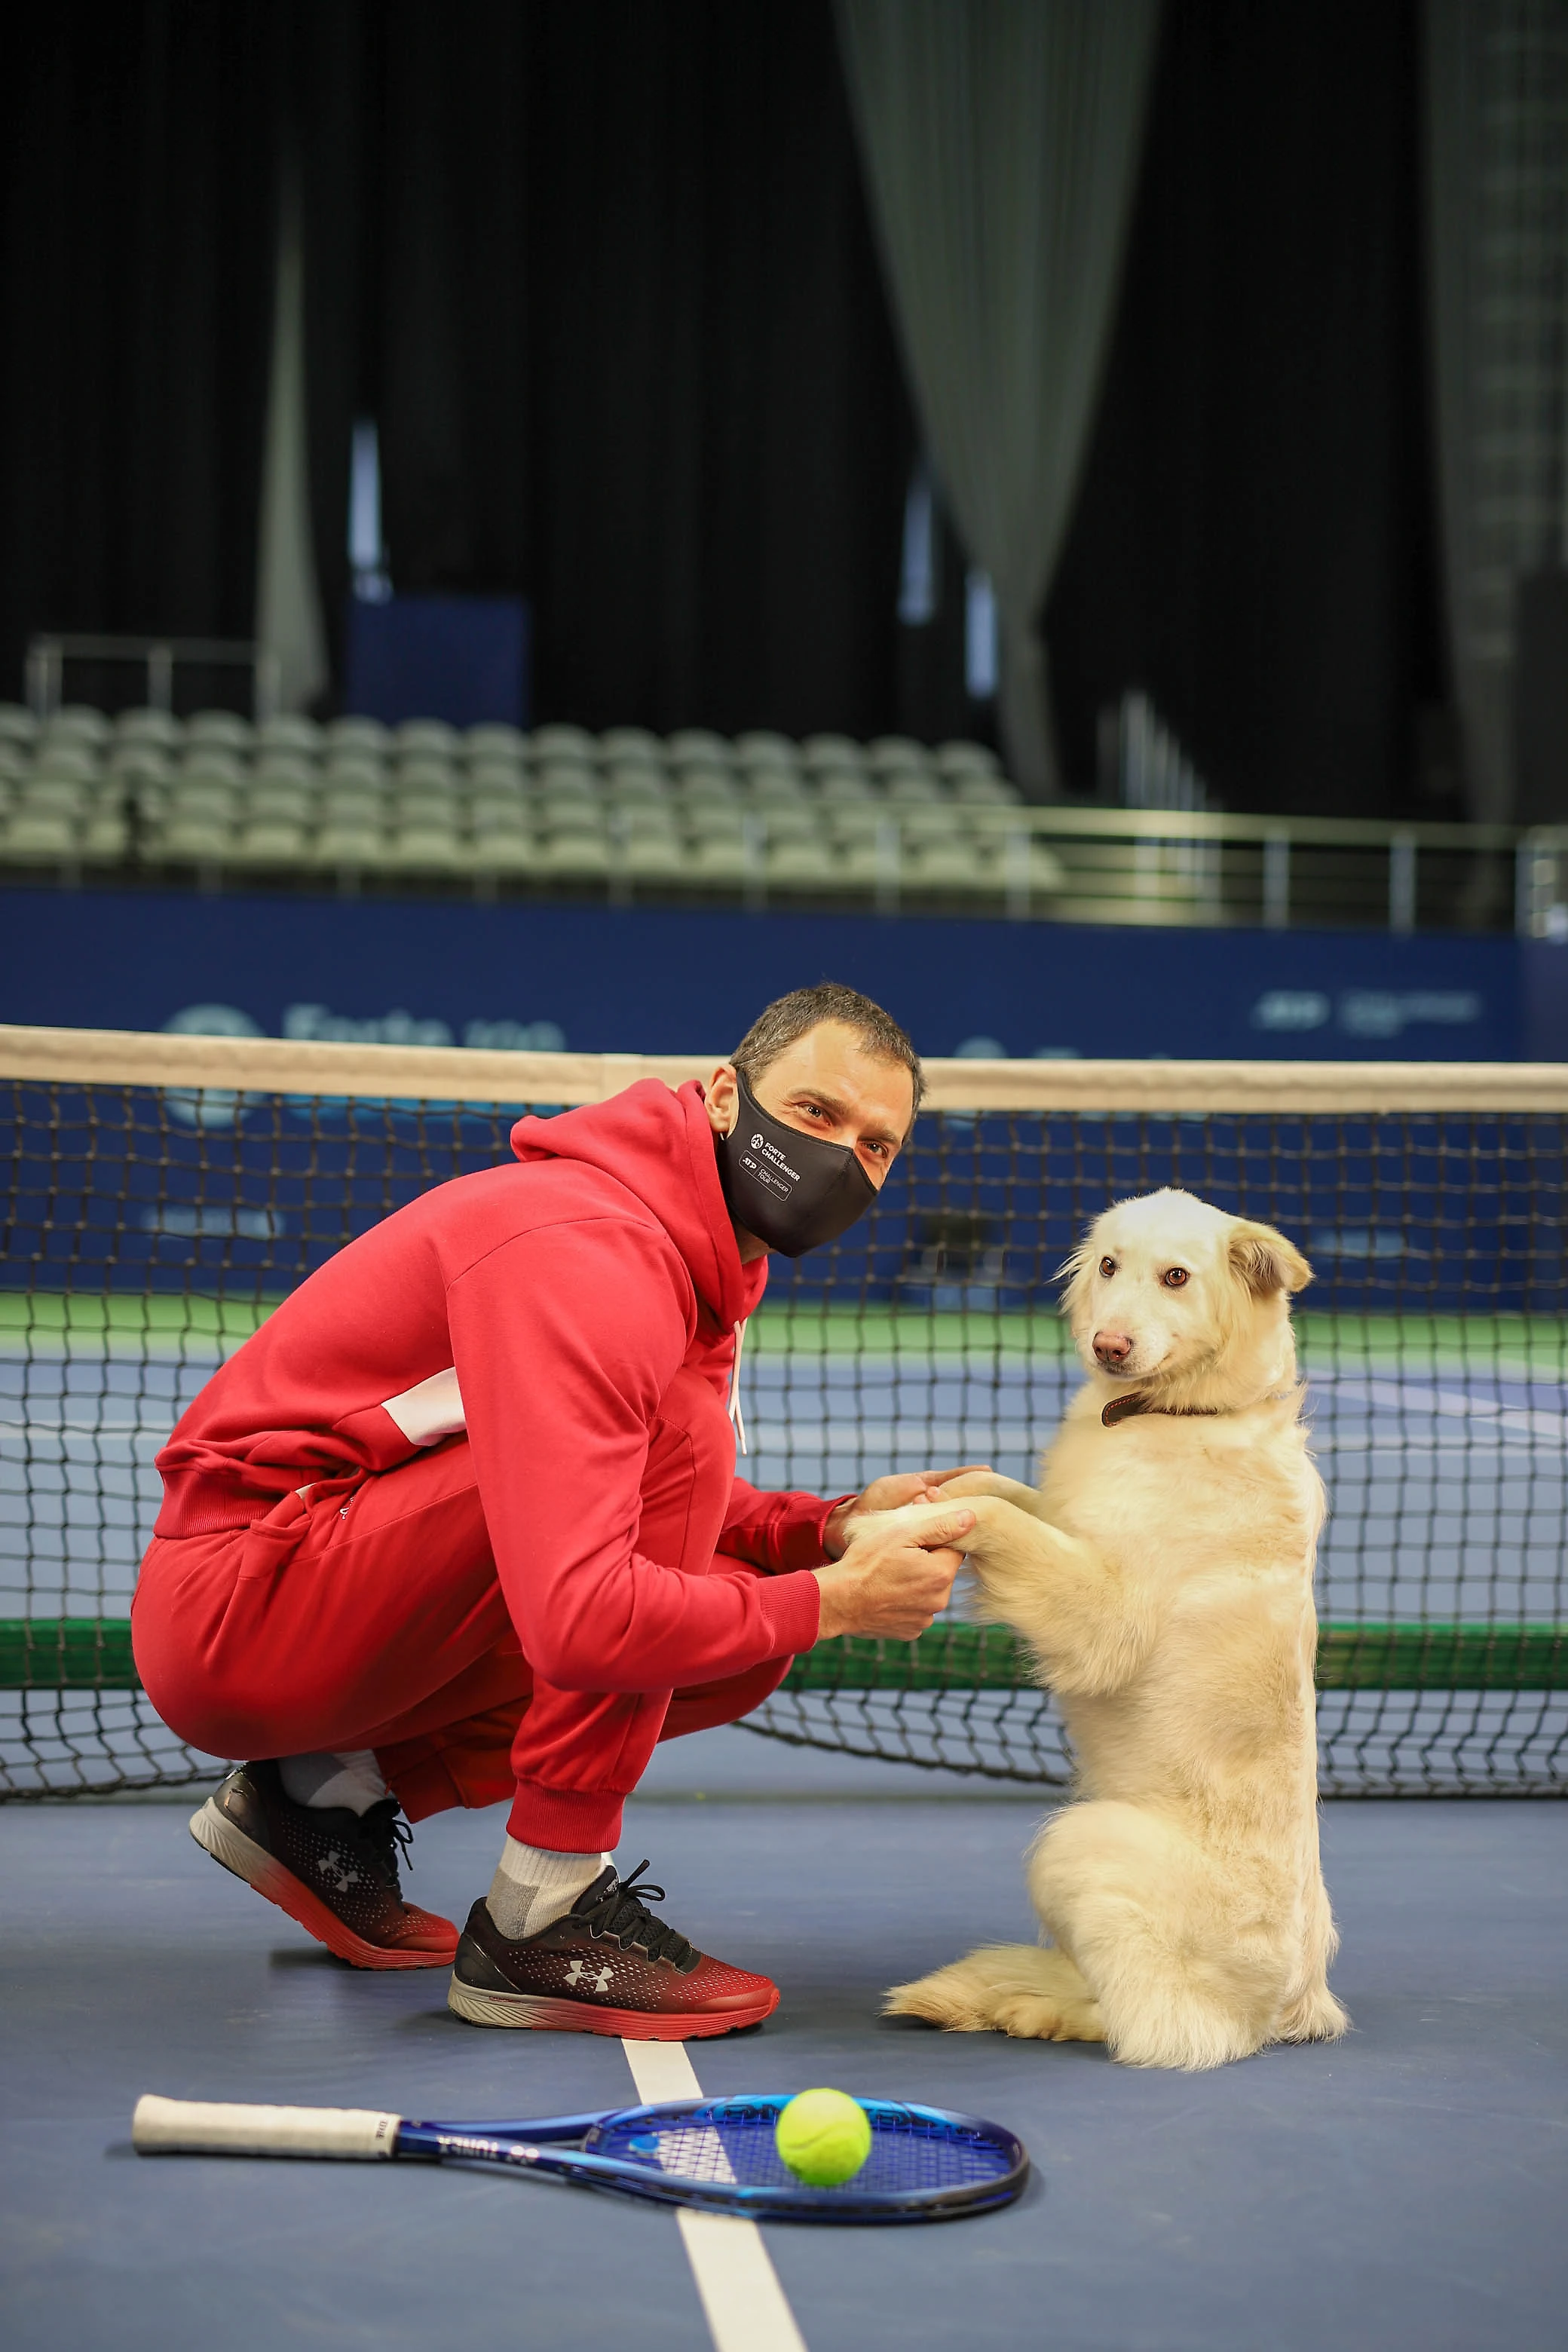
(148, 1231)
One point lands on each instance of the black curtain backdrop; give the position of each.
(1253, 543)
(137, 241)
(603, 273)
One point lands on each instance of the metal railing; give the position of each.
(157, 657)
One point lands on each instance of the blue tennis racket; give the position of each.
(718, 2154)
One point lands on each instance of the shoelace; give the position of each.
(624, 1914)
(388, 1839)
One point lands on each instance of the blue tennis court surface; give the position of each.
(1405, 2187)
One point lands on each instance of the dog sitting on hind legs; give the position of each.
(1162, 1578)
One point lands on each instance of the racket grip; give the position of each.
(164, 2127)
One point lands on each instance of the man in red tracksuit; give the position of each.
(462, 1522)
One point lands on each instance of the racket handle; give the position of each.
(162, 2126)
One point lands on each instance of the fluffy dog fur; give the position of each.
(1163, 1578)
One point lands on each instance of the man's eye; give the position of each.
(1174, 1278)
(1108, 1267)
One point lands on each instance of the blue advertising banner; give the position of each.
(678, 980)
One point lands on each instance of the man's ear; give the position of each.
(1265, 1260)
(722, 1098)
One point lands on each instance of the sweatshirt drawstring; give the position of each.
(737, 1417)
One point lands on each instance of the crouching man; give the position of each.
(460, 1522)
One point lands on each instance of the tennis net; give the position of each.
(164, 1192)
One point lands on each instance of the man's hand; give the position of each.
(892, 1583)
(891, 1494)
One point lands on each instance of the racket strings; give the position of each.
(732, 2143)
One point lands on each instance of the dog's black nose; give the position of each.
(1112, 1348)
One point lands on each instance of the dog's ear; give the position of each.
(1266, 1262)
(1074, 1270)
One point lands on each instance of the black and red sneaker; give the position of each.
(608, 1967)
(332, 1870)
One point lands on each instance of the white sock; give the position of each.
(323, 1780)
(533, 1886)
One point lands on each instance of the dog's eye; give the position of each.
(1108, 1267)
(1174, 1278)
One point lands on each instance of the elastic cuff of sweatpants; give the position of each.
(566, 1820)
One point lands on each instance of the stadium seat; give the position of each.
(493, 773)
(714, 820)
(635, 747)
(430, 847)
(105, 839)
(192, 839)
(699, 747)
(200, 802)
(204, 763)
(67, 755)
(422, 772)
(428, 737)
(820, 752)
(351, 770)
(799, 861)
(638, 786)
(575, 855)
(960, 759)
(505, 853)
(561, 784)
(37, 835)
(978, 790)
(761, 748)
(159, 728)
(907, 786)
(289, 733)
(775, 788)
(361, 736)
(837, 787)
(892, 755)
(272, 840)
(560, 741)
(493, 740)
(652, 854)
(954, 865)
(77, 722)
(495, 808)
(226, 729)
(56, 795)
(701, 784)
(342, 841)
(718, 859)
(422, 807)
(18, 725)
(276, 766)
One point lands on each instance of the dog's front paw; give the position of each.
(992, 1484)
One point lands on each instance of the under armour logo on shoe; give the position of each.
(339, 1874)
(579, 1972)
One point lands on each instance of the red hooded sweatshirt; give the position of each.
(547, 1308)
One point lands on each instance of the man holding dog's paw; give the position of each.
(462, 1522)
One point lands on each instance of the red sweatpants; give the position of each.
(379, 1623)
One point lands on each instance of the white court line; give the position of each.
(741, 2298)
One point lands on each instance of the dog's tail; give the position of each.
(1027, 1990)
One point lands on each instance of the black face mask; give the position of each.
(793, 1191)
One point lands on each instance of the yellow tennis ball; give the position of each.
(824, 2136)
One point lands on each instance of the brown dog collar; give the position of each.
(1128, 1408)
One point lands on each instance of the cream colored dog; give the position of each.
(1163, 1578)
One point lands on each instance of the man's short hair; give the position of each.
(790, 1017)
